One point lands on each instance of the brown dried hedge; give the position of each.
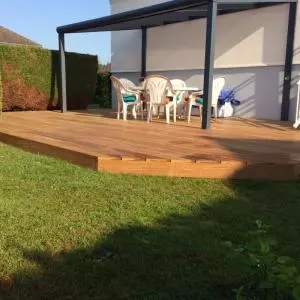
(30, 78)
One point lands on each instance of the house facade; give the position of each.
(250, 54)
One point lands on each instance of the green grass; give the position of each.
(71, 233)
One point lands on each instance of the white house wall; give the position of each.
(126, 45)
(258, 88)
(250, 38)
(249, 44)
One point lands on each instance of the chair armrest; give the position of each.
(197, 94)
(132, 92)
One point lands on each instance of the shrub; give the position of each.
(31, 78)
(271, 276)
(103, 90)
(1, 93)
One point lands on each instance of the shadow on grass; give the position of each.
(178, 257)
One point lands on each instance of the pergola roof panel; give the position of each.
(170, 12)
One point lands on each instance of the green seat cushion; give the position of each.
(129, 98)
(199, 100)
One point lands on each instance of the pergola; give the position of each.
(176, 11)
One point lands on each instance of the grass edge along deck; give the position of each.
(161, 167)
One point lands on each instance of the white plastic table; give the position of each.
(185, 89)
(189, 89)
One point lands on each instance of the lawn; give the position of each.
(71, 233)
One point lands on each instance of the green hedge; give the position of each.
(31, 78)
(103, 90)
(1, 92)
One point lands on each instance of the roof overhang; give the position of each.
(170, 12)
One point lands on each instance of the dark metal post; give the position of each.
(209, 62)
(144, 52)
(288, 63)
(63, 88)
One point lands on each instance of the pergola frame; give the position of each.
(176, 11)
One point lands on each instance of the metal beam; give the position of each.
(63, 86)
(288, 63)
(144, 52)
(209, 63)
(253, 1)
(136, 14)
(134, 19)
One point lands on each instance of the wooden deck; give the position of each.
(235, 148)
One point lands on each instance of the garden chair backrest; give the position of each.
(119, 87)
(156, 88)
(129, 85)
(178, 84)
(218, 85)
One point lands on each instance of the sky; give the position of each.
(38, 19)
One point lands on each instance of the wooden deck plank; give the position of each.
(232, 148)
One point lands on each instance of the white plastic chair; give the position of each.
(297, 116)
(126, 96)
(129, 85)
(218, 84)
(178, 97)
(157, 88)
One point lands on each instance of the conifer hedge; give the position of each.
(30, 78)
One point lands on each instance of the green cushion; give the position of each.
(129, 98)
(199, 100)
